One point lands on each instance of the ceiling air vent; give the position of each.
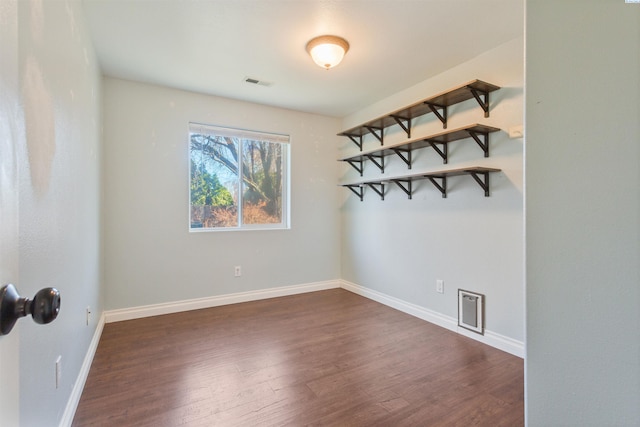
(258, 82)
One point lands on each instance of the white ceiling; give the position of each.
(211, 46)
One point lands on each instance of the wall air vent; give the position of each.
(255, 81)
(471, 311)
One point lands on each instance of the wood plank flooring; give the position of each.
(329, 358)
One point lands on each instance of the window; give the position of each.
(238, 179)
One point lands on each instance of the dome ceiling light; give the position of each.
(327, 51)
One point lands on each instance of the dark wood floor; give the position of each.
(329, 358)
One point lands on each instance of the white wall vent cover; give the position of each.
(471, 311)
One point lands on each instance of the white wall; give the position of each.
(400, 247)
(59, 199)
(583, 213)
(150, 256)
(10, 123)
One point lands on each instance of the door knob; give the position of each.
(44, 307)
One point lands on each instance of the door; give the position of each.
(11, 125)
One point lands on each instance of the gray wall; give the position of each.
(58, 153)
(583, 213)
(150, 256)
(400, 247)
(10, 124)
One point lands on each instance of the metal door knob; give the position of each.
(44, 307)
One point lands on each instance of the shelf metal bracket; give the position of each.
(442, 185)
(380, 190)
(407, 127)
(444, 153)
(484, 183)
(407, 158)
(357, 139)
(373, 158)
(482, 98)
(377, 132)
(443, 116)
(483, 144)
(405, 185)
(354, 163)
(358, 190)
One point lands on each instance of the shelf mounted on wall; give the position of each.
(438, 178)
(438, 105)
(439, 142)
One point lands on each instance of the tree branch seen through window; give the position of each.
(237, 179)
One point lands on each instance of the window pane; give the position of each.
(262, 182)
(214, 181)
(238, 178)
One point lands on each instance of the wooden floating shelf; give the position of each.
(437, 105)
(437, 178)
(479, 133)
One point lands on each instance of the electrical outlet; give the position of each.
(440, 286)
(58, 371)
(88, 314)
(237, 271)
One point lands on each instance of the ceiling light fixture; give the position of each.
(327, 51)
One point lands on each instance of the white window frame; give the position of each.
(247, 135)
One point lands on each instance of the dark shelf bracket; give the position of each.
(442, 185)
(401, 153)
(377, 132)
(380, 190)
(405, 185)
(482, 98)
(484, 183)
(373, 158)
(442, 117)
(358, 190)
(357, 139)
(444, 153)
(355, 163)
(483, 144)
(407, 127)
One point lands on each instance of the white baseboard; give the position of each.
(492, 339)
(78, 387)
(208, 302)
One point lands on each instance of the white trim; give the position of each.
(496, 340)
(208, 302)
(251, 135)
(78, 387)
(406, 307)
(492, 339)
